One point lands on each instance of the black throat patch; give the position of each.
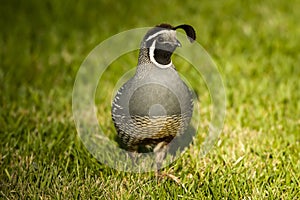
(162, 57)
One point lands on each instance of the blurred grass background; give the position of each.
(256, 46)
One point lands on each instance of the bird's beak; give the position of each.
(177, 43)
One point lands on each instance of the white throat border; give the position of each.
(151, 55)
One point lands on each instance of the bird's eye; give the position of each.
(160, 39)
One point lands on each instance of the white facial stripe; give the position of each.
(158, 33)
(151, 54)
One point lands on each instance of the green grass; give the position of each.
(256, 46)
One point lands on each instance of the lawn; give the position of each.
(255, 45)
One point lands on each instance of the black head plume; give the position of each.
(189, 30)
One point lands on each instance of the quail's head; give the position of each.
(162, 41)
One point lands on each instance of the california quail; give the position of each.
(155, 105)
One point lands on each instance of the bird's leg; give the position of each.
(160, 153)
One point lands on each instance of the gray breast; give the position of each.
(153, 106)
